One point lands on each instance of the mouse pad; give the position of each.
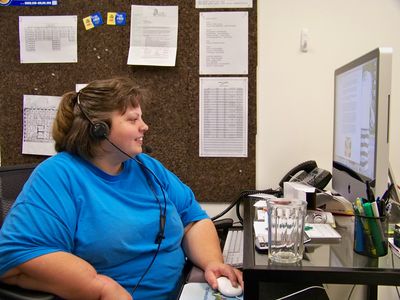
(202, 291)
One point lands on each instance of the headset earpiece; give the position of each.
(99, 130)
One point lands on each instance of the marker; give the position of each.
(367, 232)
(359, 244)
(377, 238)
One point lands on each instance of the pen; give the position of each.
(386, 194)
(370, 193)
(379, 206)
(382, 208)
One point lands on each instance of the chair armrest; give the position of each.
(223, 223)
(13, 292)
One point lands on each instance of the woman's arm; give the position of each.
(201, 245)
(66, 276)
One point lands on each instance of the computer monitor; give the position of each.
(361, 125)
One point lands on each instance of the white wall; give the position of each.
(295, 89)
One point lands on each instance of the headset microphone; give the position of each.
(160, 235)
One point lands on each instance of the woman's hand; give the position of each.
(202, 247)
(217, 269)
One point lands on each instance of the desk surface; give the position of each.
(323, 263)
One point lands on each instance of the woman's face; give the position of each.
(127, 130)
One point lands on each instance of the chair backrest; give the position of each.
(12, 179)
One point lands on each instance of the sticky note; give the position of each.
(88, 23)
(93, 20)
(116, 18)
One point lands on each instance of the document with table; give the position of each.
(321, 232)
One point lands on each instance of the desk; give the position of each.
(325, 263)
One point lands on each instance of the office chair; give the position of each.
(12, 180)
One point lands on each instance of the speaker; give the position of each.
(99, 130)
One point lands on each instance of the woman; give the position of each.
(101, 220)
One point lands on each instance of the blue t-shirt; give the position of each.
(111, 222)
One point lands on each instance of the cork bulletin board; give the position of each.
(172, 112)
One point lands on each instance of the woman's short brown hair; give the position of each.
(71, 127)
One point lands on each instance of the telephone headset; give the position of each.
(100, 130)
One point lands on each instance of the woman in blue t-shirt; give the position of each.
(100, 219)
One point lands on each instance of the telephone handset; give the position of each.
(308, 173)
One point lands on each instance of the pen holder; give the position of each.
(371, 235)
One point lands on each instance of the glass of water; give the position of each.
(285, 229)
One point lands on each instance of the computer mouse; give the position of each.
(226, 288)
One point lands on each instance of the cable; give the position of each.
(237, 210)
(301, 291)
(147, 269)
(142, 165)
(163, 212)
(232, 204)
(351, 292)
(160, 235)
(163, 215)
(242, 196)
(397, 288)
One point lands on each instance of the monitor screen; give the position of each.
(361, 124)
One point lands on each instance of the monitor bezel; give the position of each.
(347, 182)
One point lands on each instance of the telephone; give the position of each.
(308, 173)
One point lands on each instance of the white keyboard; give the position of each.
(233, 248)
